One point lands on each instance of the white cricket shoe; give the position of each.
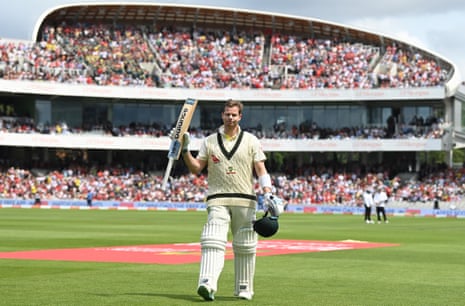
(245, 295)
(206, 293)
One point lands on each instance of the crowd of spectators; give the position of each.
(322, 63)
(131, 55)
(120, 55)
(432, 128)
(123, 55)
(318, 186)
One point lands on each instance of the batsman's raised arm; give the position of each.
(194, 165)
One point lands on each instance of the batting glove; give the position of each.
(172, 133)
(273, 205)
(185, 138)
(185, 141)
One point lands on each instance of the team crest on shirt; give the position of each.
(215, 159)
(230, 170)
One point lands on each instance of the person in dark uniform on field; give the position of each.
(90, 196)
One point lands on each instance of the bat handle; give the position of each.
(167, 173)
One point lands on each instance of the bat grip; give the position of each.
(167, 173)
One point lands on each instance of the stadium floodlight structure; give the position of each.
(62, 98)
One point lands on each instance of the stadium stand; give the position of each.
(320, 186)
(103, 55)
(319, 90)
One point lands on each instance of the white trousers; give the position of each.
(213, 243)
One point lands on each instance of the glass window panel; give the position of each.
(124, 114)
(252, 117)
(265, 116)
(357, 116)
(330, 117)
(306, 120)
(342, 117)
(294, 116)
(386, 113)
(318, 115)
(43, 112)
(118, 114)
(143, 114)
(408, 113)
(67, 112)
(157, 114)
(424, 112)
(210, 116)
(307, 114)
(280, 119)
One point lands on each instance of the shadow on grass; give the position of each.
(181, 297)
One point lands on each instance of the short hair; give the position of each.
(234, 103)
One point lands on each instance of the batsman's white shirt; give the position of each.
(230, 166)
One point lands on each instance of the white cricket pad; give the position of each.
(213, 243)
(245, 248)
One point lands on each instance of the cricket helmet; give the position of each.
(266, 226)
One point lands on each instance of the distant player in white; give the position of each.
(368, 204)
(231, 156)
(380, 198)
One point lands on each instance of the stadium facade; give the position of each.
(318, 90)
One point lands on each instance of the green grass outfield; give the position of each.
(428, 268)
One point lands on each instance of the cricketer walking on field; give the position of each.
(368, 204)
(231, 155)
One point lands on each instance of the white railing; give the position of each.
(90, 141)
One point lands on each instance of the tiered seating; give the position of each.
(211, 59)
(318, 185)
(321, 63)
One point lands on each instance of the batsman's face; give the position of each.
(231, 116)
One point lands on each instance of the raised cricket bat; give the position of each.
(182, 125)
